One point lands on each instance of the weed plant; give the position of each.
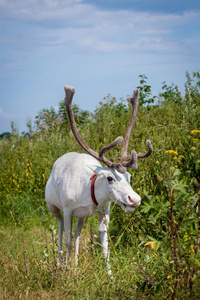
(155, 250)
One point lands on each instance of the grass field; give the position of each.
(31, 267)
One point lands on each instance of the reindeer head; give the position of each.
(126, 161)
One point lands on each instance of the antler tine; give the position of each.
(134, 102)
(131, 161)
(117, 141)
(117, 166)
(69, 92)
(128, 158)
(149, 151)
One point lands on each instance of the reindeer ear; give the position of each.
(96, 169)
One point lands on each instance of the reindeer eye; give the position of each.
(110, 179)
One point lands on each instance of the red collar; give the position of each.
(93, 178)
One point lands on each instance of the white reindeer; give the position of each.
(80, 187)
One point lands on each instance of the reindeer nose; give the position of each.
(136, 200)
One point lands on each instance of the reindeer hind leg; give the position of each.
(57, 214)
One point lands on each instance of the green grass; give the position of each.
(31, 269)
(27, 273)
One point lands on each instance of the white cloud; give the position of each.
(121, 31)
(4, 115)
(75, 12)
(76, 26)
(41, 9)
(116, 31)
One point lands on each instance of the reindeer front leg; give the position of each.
(79, 226)
(104, 220)
(68, 232)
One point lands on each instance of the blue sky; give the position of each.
(99, 47)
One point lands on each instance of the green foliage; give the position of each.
(50, 120)
(109, 121)
(145, 92)
(192, 89)
(81, 116)
(155, 250)
(170, 93)
(5, 135)
(29, 125)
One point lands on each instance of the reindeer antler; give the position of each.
(134, 102)
(126, 161)
(131, 160)
(69, 92)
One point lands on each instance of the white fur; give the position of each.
(68, 190)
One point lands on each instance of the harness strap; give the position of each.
(93, 178)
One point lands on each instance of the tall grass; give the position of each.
(30, 269)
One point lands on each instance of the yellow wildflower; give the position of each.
(171, 151)
(193, 148)
(195, 131)
(168, 277)
(151, 244)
